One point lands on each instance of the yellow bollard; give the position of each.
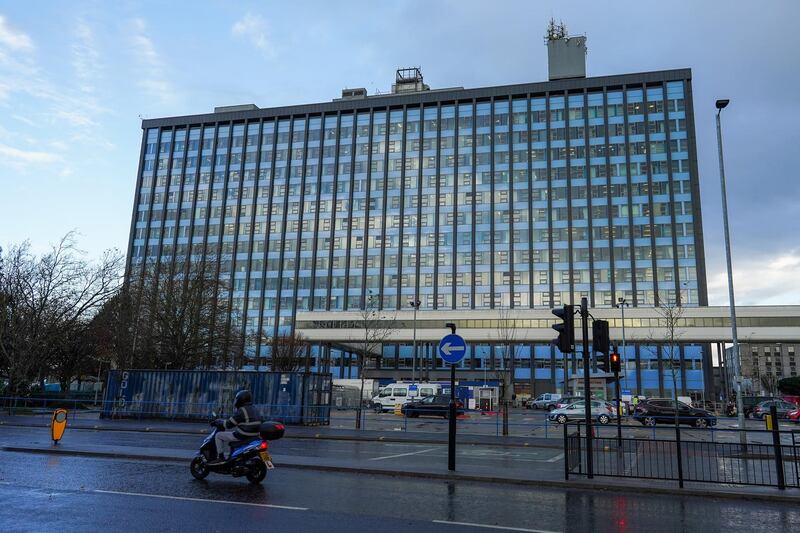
(398, 409)
(58, 425)
(770, 422)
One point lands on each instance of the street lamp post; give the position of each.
(622, 304)
(737, 369)
(415, 303)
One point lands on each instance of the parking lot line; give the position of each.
(402, 454)
(491, 526)
(184, 498)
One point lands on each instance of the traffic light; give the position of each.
(602, 361)
(615, 363)
(566, 329)
(600, 341)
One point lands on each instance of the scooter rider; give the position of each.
(242, 426)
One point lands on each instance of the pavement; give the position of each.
(477, 461)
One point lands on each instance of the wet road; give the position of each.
(367, 453)
(63, 493)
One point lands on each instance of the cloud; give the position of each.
(15, 40)
(762, 280)
(25, 156)
(152, 79)
(76, 118)
(254, 29)
(85, 57)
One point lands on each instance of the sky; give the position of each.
(76, 78)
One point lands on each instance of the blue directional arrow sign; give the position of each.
(452, 348)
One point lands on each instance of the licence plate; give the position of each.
(265, 457)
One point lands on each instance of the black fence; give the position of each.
(775, 464)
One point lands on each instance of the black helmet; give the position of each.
(243, 397)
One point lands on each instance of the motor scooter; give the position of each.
(249, 458)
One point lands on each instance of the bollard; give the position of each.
(776, 442)
(58, 424)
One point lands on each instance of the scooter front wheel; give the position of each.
(256, 471)
(199, 468)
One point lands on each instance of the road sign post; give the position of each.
(587, 389)
(452, 349)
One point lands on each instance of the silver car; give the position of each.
(602, 411)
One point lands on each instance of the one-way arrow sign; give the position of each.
(452, 348)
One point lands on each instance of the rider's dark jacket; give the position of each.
(245, 421)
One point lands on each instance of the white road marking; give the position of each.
(556, 458)
(183, 498)
(403, 454)
(489, 526)
(5, 483)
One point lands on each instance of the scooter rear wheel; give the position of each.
(256, 471)
(199, 468)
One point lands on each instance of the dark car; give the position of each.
(662, 411)
(749, 403)
(763, 409)
(437, 405)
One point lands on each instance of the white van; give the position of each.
(395, 393)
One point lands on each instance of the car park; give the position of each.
(602, 411)
(655, 411)
(783, 408)
(438, 405)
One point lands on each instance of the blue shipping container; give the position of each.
(289, 397)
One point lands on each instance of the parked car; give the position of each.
(763, 409)
(567, 400)
(438, 405)
(547, 401)
(602, 411)
(794, 416)
(749, 403)
(662, 411)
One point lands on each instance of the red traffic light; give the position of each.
(614, 361)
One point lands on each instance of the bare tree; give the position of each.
(670, 318)
(377, 327)
(769, 382)
(46, 301)
(113, 331)
(507, 335)
(288, 352)
(180, 320)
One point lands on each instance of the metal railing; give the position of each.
(774, 464)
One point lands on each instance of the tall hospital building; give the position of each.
(489, 206)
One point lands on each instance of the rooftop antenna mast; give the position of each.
(555, 32)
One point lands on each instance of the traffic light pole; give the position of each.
(587, 389)
(619, 410)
